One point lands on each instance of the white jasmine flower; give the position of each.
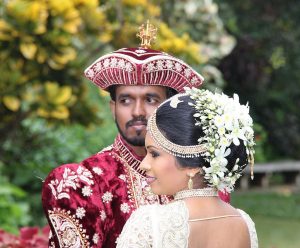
(237, 133)
(224, 121)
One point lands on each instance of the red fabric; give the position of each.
(138, 66)
(107, 229)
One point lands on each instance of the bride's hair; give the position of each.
(178, 126)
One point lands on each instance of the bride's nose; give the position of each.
(145, 165)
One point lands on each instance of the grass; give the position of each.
(276, 216)
(277, 233)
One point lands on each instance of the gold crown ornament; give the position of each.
(147, 35)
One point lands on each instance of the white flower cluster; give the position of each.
(224, 121)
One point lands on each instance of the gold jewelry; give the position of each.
(251, 161)
(205, 192)
(190, 182)
(170, 147)
(147, 34)
(215, 217)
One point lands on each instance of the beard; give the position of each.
(138, 139)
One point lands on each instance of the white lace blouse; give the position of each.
(165, 226)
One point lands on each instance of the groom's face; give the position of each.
(132, 108)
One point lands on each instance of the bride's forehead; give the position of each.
(148, 140)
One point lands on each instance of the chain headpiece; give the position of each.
(170, 147)
(224, 122)
(147, 34)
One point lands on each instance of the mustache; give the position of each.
(142, 120)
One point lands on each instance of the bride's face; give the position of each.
(163, 174)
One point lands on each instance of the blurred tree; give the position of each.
(264, 67)
(49, 113)
(200, 21)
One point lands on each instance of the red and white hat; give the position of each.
(142, 66)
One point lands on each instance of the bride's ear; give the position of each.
(191, 172)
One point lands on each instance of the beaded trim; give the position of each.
(170, 147)
(205, 192)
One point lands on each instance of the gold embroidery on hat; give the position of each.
(147, 34)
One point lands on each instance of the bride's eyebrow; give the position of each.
(151, 146)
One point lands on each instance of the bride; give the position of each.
(197, 143)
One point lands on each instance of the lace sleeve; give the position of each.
(137, 230)
(251, 228)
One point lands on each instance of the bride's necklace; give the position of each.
(205, 192)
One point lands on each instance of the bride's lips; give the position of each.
(150, 179)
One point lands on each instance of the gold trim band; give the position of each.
(170, 147)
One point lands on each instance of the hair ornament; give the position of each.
(225, 122)
(174, 101)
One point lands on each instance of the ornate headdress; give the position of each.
(224, 122)
(142, 66)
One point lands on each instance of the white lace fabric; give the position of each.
(165, 226)
(251, 228)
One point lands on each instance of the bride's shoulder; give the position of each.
(251, 228)
(245, 215)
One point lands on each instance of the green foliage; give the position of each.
(276, 216)
(263, 67)
(52, 146)
(273, 232)
(14, 209)
(263, 151)
(279, 205)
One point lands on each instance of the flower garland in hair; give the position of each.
(224, 121)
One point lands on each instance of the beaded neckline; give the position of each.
(205, 192)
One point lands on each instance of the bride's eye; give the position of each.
(154, 154)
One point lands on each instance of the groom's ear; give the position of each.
(112, 105)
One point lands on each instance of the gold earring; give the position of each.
(190, 182)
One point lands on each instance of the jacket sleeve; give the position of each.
(77, 209)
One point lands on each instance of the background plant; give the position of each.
(49, 113)
(263, 68)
